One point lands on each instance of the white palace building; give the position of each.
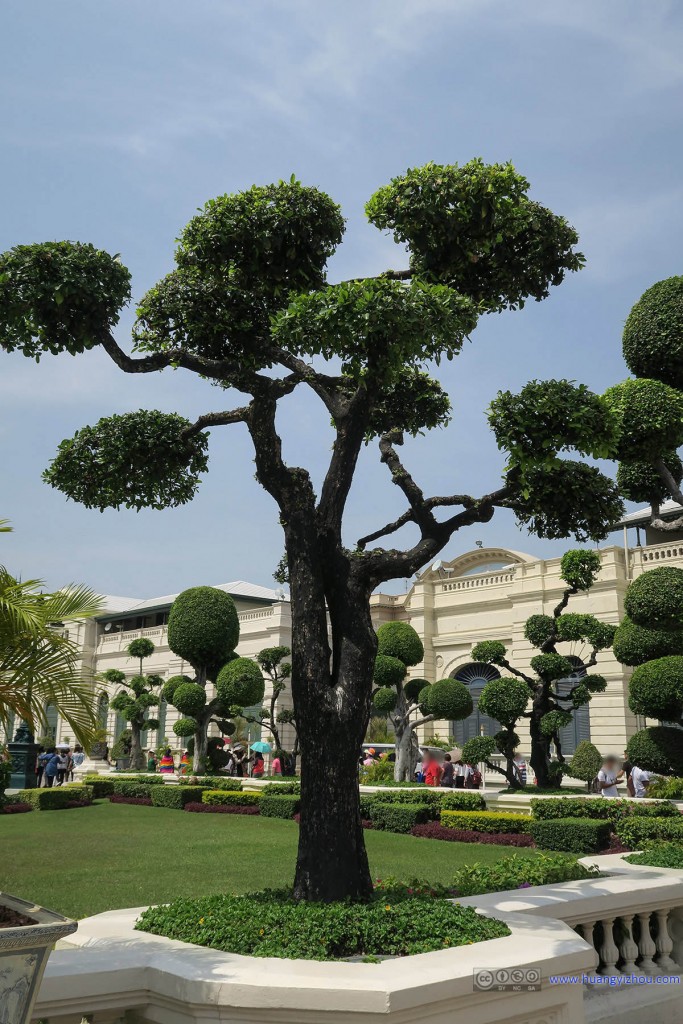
(485, 594)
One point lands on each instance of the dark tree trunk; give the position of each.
(331, 690)
(540, 744)
(136, 755)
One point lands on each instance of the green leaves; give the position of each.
(640, 481)
(139, 460)
(649, 417)
(653, 333)
(379, 325)
(59, 297)
(475, 228)
(240, 683)
(656, 689)
(580, 568)
(203, 628)
(505, 700)
(655, 599)
(490, 652)
(400, 640)
(568, 499)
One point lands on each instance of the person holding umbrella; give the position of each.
(259, 748)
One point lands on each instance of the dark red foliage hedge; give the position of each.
(142, 801)
(78, 803)
(433, 830)
(220, 809)
(15, 809)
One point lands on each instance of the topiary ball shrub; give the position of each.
(449, 699)
(655, 599)
(203, 628)
(505, 700)
(656, 690)
(640, 481)
(586, 762)
(189, 699)
(653, 333)
(272, 924)
(634, 645)
(649, 415)
(384, 700)
(658, 749)
(240, 683)
(400, 640)
(388, 671)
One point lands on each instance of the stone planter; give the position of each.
(24, 950)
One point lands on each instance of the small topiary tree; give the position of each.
(275, 664)
(585, 764)
(203, 629)
(134, 702)
(504, 700)
(651, 640)
(550, 710)
(410, 704)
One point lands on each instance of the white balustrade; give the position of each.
(646, 946)
(664, 943)
(620, 953)
(608, 951)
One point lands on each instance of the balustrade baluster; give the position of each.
(587, 930)
(609, 953)
(664, 943)
(646, 946)
(627, 946)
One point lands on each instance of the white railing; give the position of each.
(125, 637)
(659, 553)
(472, 582)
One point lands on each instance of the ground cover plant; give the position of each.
(659, 855)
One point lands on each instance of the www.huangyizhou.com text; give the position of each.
(614, 980)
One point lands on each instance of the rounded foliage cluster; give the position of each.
(653, 333)
(388, 671)
(581, 695)
(141, 647)
(504, 700)
(634, 645)
(448, 699)
(656, 689)
(400, 640)
(658, 749)
(553, 721)
(474, 226)
(478, 749)
(412, 402)
(595, 683)
(538, 629)
(59, 297)
(649, 417)
(655, 599)
(579, 568)
(240, 683)
(489, 652)
(384, 700)
(567, 499)
(586, 762)
(171, 685)
(551, 666)
(184, 727)
(139, 460)
(549, 416)
(412, 689)
(189, 699)
(506, 741)
(640, 480)
(576, 627)
(203, 628)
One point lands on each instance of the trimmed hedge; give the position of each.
(400, 817)
(282, 788)
(55, 799)
(571, 835)
(15, 808)
(141, 801)
(131, 789)
(100, 787)
(427, 795)
(634, 831)
(600, 807)
(213, 782)
(486, 821)
(176, 796)
(433, 830)
(285, 806)
(220, 808)
(234, 798)
(462, 801)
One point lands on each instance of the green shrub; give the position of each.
(516, 871)
(55, 798)
(600, 807)
(461, 801)
(100, 786)
(654, 599)
(656, 689)
(634, 831)
(573, 835)
(282, 788)
(657, 749)
(586, 762)
(236, 798)
(401, 817)
(486, 821)
(131, 787)
(669, 789)
(285, 806)
(410, 796)
(367, 806)
(272, 924)
(378, 773)
(659, 855)
(176, 796)
(215, 782)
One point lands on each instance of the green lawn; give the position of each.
(108, 856)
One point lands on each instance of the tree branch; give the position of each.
(217, 419)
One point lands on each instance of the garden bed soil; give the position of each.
(12, 919)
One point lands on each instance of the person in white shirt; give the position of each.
(641, 781)
(608, 776)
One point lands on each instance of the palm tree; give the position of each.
(39, 664)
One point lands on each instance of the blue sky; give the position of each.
(119, 118)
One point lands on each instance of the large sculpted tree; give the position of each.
(411, 703)
(539, 699)
(248, 308)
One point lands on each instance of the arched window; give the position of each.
(102, 710)
(475, 676)
(580, 727)
(51, 720)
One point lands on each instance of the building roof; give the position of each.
(667, 510)
(238, 589)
